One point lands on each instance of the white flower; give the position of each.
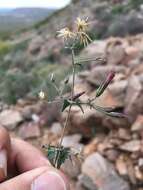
(66, 33)
(41, 95)
(82, 24)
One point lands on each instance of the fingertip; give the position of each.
(4, 138)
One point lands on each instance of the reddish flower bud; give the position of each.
(78, 95)
(105, 84)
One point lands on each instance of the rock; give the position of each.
(134, 98)
(122, 166)
(93, 145)
(72, 167)
(98, 173)
(84, 123)
(131, 146)
(138, 174)
(10, 118)
(72, 141)
(99, 45)
(140, 164)
(112, 155)
(131, 171)
(138, 124)
(98, 74)
(118, 90)
(124, 134)
(115, 53)
(29, 130)
(56, 128)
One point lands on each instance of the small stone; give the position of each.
(98, 173)
(29, 130)
(140, 164)
(138, 173)
(72, 141)
(131, 146)
(72, 167)
(133, 99)
(121, 166)
(124, 134)
(56, 128)
(138, 124)
(10, 118)
(112, 154)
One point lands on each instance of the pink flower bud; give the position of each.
(105, 84)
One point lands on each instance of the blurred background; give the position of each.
(30, 52)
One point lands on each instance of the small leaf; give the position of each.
(96, 59)
(109, 112)
(117, 114)
(63, 155)
(59, 153)
(66, 103)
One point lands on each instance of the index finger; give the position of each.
(26, 157)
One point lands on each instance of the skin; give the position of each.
(24, 162)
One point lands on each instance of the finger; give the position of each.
(4, 152)
(25, 156)
(38, 179)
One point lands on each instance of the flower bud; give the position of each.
(105, 84)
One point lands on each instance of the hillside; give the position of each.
(108, 151)
(21, 18)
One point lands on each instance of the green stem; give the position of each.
(69, 110)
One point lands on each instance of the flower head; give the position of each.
(82, 24)
(41, 95)
(84, 38)
(66, 33)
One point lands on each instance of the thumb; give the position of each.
(38, 179)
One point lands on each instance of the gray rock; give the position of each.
(131, 146)
(98, 173)
(98, 74)
(72, 141)
(134, 97)
(10, 118)
(56, 128)
(29, 130)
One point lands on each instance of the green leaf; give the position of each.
(83, 59)
(60, 154)
(66, 103)
(63, 155)
(109, 112)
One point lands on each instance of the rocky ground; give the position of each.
(112, 148)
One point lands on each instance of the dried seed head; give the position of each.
(82, 24)
(84, 38)
(66, 34)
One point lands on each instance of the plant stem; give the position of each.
(69, 110)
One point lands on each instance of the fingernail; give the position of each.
(49, 181)
(3, 164)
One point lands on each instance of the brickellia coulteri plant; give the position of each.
(58, 154)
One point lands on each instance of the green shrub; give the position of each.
(16, 85)
(4, 48)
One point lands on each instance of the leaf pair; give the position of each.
(60, 154)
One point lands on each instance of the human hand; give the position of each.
(28, 168)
